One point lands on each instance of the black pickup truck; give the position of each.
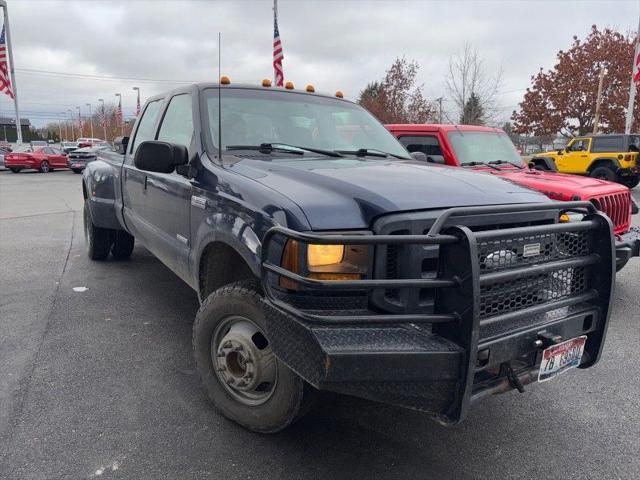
(325, 257)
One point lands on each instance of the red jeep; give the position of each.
(490, 150)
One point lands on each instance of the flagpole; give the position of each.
(632, 88)
(275, 16)
(7, 32)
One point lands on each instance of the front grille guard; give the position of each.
(450, 239)
(461, 282)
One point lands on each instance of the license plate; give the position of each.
(561, 357)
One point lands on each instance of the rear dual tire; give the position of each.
(100, 241)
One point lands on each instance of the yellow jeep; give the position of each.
(608, 157)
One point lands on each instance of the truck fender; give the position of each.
(544, 163)
(99, 185)
(604, 161)
(232, 232)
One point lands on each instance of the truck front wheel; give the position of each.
(98, 240)
(239, 371)
(603, 172)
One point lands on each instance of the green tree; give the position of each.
(472, 113)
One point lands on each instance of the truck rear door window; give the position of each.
(607, 144)
(177, 124)
(146, 125)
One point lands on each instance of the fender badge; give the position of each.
(531, 250)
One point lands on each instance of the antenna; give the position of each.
(219, 99)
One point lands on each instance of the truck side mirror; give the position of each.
(420, 156)
(439, 159)
(120, 144)
(161, 157)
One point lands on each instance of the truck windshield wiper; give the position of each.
(473, 164)
(500, 162)
(283, 147)
(371, 152)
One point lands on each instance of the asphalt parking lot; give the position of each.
(97, 381)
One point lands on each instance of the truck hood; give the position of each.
(347, 193)
(560, 186)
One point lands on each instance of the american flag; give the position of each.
(119, 113)
(102, 116)
(636, 68)
(278, 56)
(5, 82)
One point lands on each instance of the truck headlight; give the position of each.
(321, 255)
(324, 262)
(571, 217)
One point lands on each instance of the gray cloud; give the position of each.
(332, 44)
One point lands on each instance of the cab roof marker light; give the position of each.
(310, 88)
(224, 80)
(339, 94)
(289, 85)
(266, 82)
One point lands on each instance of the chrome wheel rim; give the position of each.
(243, 360)
(44, 166)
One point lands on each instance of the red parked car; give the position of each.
(490, 150)
(43, 159)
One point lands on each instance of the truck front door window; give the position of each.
(427, 144)
(146, 125)
(177, 124)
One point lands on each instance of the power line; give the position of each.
(88, 76)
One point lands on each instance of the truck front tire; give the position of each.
(603, 172)
(240, 373)
(98, 240)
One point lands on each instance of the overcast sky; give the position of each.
(332, 44)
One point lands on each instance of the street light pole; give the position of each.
(104, 119)
(90, 119)
(138, 101)
(73, 134)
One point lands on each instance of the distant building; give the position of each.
(8, 129)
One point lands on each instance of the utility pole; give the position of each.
(59, 126)
(80, 122)
(632, 87)
(14, 87)
(73, 134)
(90, 119)
(66, 133)
(439, 100)
(104, 119)
(596, 121)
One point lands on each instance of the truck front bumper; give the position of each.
(628, 246)
(439, 362)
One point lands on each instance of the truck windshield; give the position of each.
(483, 148)
(257, 117)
